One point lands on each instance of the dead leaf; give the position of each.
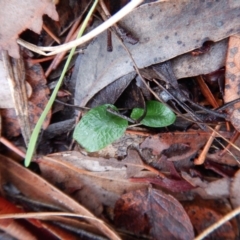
(112, 92)
(17, 16)
(133, 163)
(231, 157)
(165, 30)
(204, 213)
(118, 149)
(234, 190)
(76, 174)
(172, 185)
(11, 226)
(153, 212)
(36, 188)
(232, 80)
(36, 103)
(175, 146)
(216, 189)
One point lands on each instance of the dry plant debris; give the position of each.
(20, 16)
(146, 184)
(37, 99)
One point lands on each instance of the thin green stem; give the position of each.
(36, 130)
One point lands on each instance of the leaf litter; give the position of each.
(145, 182)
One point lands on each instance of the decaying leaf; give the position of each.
(231, 157)
(234, 190)
(79, 172)
(232, 80)
(216, 189)
(153, 212)
(36, 188)
(203, 213)
(175, 146)
(36, 102)
(16, 16)
(11, 226)
(165, 30)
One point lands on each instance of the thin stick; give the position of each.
(40, 60)
(233, 139)
(200, 160)
(51, 34)
(216, 225)
(54, 50)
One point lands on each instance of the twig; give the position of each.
(200, 160)
(51, 34)
(233, 139)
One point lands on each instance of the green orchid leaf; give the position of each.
(158, 115)
(98, 128)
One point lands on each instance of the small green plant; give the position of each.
(98, 128)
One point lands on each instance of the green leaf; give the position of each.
(158, 115)
(98, 128)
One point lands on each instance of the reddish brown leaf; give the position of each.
(90, 180)
(172, 185)
(11, 226)
(204, 213)
(175, 146)
(36, 188)
(153, 212)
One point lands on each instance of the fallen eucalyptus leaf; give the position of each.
(165, 30)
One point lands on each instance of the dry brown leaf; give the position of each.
(235, 193)
(96, 180)
(165, 29)
(203, 213)
(217, 189)
(36, 188)
(234, 190)
(16, 16)
(232, 79)
(11, 226)
(153, 212)
(36, 102)
(175, 146)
